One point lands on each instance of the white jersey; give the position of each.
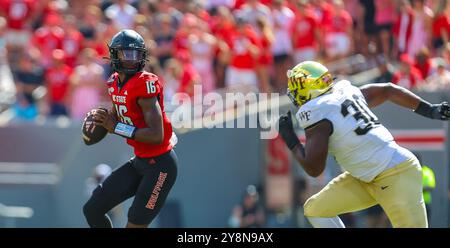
(359, 143)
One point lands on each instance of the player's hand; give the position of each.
(439, 111)
(103, 118)
(444, 111)
(286, 130)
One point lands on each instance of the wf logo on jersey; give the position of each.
(305, 115)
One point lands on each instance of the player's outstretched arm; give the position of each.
(313, 156)
(376, 94)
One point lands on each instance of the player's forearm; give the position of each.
(376, 94)
(406, 98)
(149, 135)
(311, 166)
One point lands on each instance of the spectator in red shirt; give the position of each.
(57, 82)
(188, 76)
(49, 37)
(73, 41)
(403, 28)
(423, 62)
(18, 15)
(265, 60)
(305, 33)
(222, 27)
(323, 10)
(441, 26)
(407, 76)
(338, 33)
(245, 50)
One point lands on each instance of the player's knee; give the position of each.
(312, 208)
(91, 210)
(308, 208)
(88, 210)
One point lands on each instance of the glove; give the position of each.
(434, 111)
(286, 130)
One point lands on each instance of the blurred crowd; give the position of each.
(56, 49)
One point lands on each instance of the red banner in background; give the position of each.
(278, 175)
(278, 157)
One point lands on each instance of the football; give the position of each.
(91, 132)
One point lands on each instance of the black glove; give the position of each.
(434, 111)
(286, 130)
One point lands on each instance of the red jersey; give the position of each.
(341, 22)
(125, 102)
(241, 57)
(223, 31)
(303, 27)
(58, 82)
(188, 79)
(424, 68)
(324, 14)
(17, 12)
(72, 44)
(439, 23)
(48, 39)
(181, 41)
(265, 58)
(408, 81)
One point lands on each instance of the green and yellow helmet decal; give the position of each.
(307, 80)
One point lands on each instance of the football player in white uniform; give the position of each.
(337, 119)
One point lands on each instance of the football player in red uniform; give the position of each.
(138, 115)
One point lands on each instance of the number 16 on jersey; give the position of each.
(121, 111)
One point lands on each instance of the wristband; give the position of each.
(290, 138)
(125, 130)
(426, 109)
